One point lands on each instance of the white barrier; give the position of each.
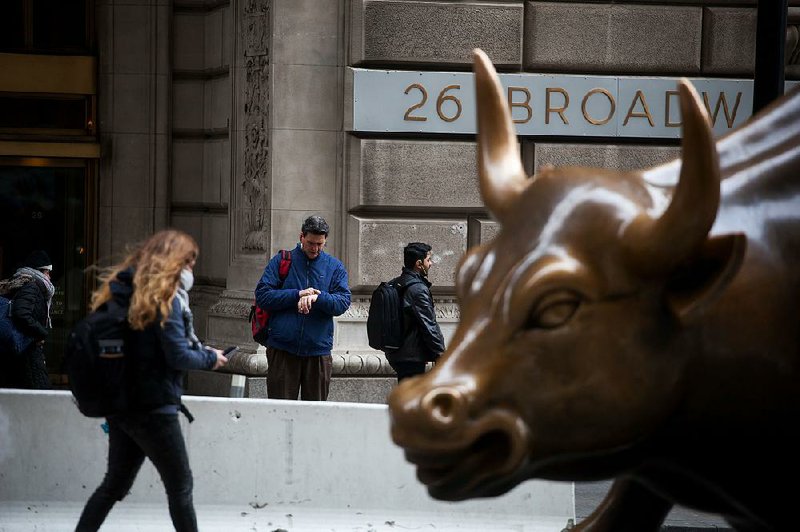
(247, 454)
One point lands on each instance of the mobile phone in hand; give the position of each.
(230, 350)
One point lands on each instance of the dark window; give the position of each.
(46, 26)
(42, 112)
(12, 25)
(59, 24)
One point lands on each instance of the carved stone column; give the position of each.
(251, 176)
(286, 152)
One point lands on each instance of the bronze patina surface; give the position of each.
(641, 326)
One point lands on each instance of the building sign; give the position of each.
(543, 104)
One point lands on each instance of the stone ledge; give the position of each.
(367, 363)
(343, 389)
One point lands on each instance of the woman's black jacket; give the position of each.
(159, 356)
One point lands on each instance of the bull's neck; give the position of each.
(759, 164)
(760, 161)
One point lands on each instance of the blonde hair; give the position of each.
(158, 262)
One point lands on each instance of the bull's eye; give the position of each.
(554, 310)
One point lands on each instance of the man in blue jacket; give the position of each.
(301, 311)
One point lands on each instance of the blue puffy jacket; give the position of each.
(303, 334)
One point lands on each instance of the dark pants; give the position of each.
(26, 370)
(288, 374)
(130, 439)
(405, 370)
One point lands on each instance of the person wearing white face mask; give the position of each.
(152, 281)
(182, 293)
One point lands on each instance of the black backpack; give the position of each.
(96, 361)
(385, 328)
(12, 340)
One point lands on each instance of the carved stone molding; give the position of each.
(366, 364)
(358, 310)
(251, 364)
(446, 309)
(231, 308)
(255, 184)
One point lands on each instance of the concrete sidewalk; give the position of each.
(589, 495)
(131, 517)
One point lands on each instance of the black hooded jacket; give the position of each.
(30, 310)
(423, 340)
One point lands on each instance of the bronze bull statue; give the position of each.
(641, 326)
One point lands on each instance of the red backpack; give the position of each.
(259, 318)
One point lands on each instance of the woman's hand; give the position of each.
(221, 360)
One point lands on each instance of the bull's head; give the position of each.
(569, 352)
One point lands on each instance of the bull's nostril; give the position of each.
(443, 405)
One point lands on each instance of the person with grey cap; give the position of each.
(31, 292)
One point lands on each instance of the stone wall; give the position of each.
(133, 41)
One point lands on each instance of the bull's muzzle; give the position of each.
(460, 450)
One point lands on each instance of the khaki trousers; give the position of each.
(289, 374)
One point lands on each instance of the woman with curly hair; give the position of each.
(160, 350)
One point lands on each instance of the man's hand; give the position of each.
(308, 292)
(304, 305)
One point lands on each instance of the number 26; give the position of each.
(439, 103)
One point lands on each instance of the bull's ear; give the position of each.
(697, 284)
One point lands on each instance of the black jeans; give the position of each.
(130, 439)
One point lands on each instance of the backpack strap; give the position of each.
(185, 412)
(401, 292)
(286, 263)
(403, 286)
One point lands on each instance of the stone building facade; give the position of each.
(232, 120)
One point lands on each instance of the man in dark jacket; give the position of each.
(423, 341)
(31, 292)
(301, 310)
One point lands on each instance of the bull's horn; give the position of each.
(499, 164)
(657, 245)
